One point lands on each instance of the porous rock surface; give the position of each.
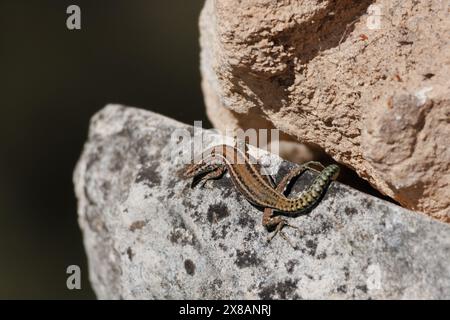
(149, 235)
(366, 81)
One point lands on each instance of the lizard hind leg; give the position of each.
(313, 165)
(269, 221)
(278, 223)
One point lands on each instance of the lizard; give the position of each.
(259, 189)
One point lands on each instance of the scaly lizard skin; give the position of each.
(259, 189)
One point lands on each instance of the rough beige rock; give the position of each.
(367, 81)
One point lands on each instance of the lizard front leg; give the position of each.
(203, 171)
(213, 174)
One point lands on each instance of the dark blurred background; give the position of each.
(140, 53)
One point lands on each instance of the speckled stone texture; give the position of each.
(149, 235)
(366, 81)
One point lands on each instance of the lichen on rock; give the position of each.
(149, 235)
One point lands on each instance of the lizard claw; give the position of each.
(281, 225)
(291, 226)
(285, 237)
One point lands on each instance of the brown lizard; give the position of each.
(258, 188)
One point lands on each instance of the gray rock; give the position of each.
(149, 235)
